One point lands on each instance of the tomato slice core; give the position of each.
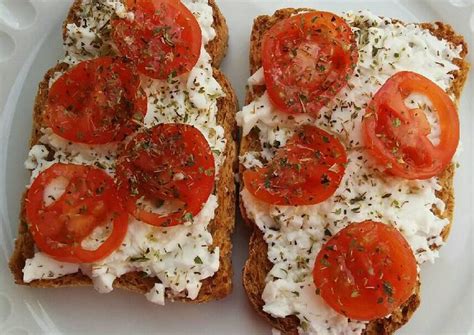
(89, 200)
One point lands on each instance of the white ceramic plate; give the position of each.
(30, 43)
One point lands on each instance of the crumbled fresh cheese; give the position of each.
(267, 118)
(419, 101)
(205, 17)
(102, 156)
(157, 294)
(257, 78)
(190, 99)
(98, 236)
(323, 320)
(251, 159)
(37, 160)
(90, 38)
(274, 127)
(54, 190)
(41, 266)
(295, 234)
(181, 256)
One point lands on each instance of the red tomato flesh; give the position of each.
(307, 59)
(170, 162)
(396, 135)
(96, 102)
(163, 39)
(89, 200)
(307, 171)
(366, 271)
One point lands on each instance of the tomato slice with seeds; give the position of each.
(307, 59)
(96, 102)
(307, 171)
(170, 166)
(366, 271)
(90, 199)
(396, 135)
(163, 39)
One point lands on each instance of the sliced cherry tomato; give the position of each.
(168, 163)
(307, 59)
(163, 39)
(90, 199)
(307, 171)
(366, 271)
(96, 102)
(396, 135)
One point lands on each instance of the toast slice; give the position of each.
(257, 265)
(221, 227)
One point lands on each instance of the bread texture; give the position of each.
(221, 227)
(257, 265)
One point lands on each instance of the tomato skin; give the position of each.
(307, 59)
(396, 136)
(96, 101)
(307, 171)
(169, 162)
(164, 38)
(366, 271)
(90, 197)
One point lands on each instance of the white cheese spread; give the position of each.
(295, 234)
(179, 256)
(102, 156)
(157, 294)
(41, 266)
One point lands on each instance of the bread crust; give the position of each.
(221, 227)
(257, 265)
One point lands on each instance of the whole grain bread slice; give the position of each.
(257, 265)
(221, 227)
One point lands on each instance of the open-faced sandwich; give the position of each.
(346, 164)
(131, 155)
